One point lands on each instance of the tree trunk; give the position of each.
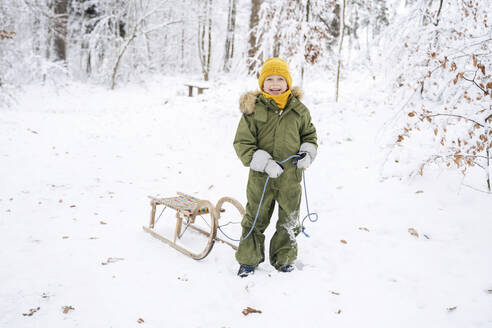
(60, 42)
(277, 43)
(368, 52)
(205, 39)
(120, 56)
(489, 169)
(209, 53)
(253, 46)
(342, 33)
(308, 12)
(229, 44)
(488, 130)
(182, 48)
(182, 41)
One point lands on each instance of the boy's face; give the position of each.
(274, 85)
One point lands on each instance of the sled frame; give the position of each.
(187, 208)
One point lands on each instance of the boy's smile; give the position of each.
(275, 85)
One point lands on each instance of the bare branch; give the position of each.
(438, 13)
(458, 116)
(324, 21)
(158, 27)
(475, 82)
(483, 191)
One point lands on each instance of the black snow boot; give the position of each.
(286, 268)
(245, 270)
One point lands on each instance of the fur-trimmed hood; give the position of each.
(247, 100)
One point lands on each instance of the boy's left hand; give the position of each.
(310, 150)
(305, 162)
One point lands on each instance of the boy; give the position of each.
(275, 125)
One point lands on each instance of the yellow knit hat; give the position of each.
(275, 66)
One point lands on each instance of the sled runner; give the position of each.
(188, 209)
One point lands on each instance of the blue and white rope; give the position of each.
(308, 216)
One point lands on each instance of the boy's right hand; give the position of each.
(262, 162)
(273, 169)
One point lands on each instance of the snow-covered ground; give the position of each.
(77, 165)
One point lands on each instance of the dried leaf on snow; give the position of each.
(67, 308)
(413, 232)
(140, 320)
(112, 260)
(31, 312)
(249, 310)
(451, 308)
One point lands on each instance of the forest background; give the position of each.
(433, 56)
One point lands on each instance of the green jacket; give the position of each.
(261, 127)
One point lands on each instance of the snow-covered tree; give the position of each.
(298, 30)
(5, 64)
(442, 61)
(230, 37)
(254, 37)
(307, 32)
(205, 37)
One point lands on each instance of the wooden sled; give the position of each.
(187, 209)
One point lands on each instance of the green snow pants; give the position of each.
(286, 191)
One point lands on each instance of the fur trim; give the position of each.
(297, 91)
(247, 100)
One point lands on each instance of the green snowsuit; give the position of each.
(261, 127)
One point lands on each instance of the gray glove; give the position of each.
(273, 169)
(263, 162)
(310, 150)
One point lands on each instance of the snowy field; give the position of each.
(77, 165)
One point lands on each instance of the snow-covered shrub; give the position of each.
(6, 53)
(441, 59)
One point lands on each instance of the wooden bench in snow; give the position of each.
(187, 209)
(197, 85)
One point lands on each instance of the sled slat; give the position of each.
(183, 202)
